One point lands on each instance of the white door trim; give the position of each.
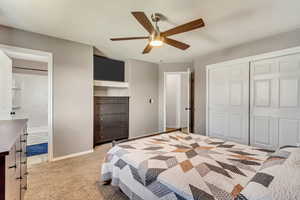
(165, 97)
(43, 56)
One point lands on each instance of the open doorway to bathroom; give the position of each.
(30, 100)
(28, 92)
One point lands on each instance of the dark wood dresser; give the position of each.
(13, 160)
(111, 119)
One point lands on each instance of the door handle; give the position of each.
(12, 113)
(187, 108)
(13, 166)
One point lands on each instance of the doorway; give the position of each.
(27, 75)
(177, 101)
(30, 101)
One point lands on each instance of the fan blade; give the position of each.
(144, 21)
(128, 38)
(184, 28)
(177, 44)
(147, 49)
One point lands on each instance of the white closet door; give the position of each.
(274, 109)
(228, 102)
(5, 86)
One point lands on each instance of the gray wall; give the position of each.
(278, 42)
(143, 80)
(167, 67)
(72, 88)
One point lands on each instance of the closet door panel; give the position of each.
(236, 124)
(218, 87)
(236, 93)
(228, 102)
(275, 96)
(288, 132)
(288, 92)
(262, 93)
(262, 132)
(218, 124)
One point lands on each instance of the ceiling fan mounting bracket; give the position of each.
(156, 17)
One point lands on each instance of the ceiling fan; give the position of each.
(157, 38)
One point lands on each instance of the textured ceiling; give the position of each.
(228, 23)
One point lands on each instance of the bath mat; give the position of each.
(37, 149)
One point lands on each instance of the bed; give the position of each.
(179, 166)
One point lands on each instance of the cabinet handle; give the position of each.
(24, 163)
(26, 173)
(19, 151)
(23, 141)
(25, 134)
(19, 178)
(13, 166)
(24, 188)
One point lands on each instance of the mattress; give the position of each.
(180, 166)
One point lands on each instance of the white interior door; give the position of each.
(5, 86)
(274, 109)
(186, 102)
(228, 102)
(177, 100)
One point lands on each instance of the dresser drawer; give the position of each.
(23, 142)
(12, 183)
(12, 156)
(23, 186)
(11, 162)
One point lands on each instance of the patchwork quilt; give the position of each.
(278, 178)
(180, 166)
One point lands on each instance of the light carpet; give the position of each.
(70, 179)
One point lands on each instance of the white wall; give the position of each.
(173, 85)
(277, 42)
(33, 99)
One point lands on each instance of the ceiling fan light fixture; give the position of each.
(156, 40)
(156, 43)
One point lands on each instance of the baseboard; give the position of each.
(172, 126)
(72, 155)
